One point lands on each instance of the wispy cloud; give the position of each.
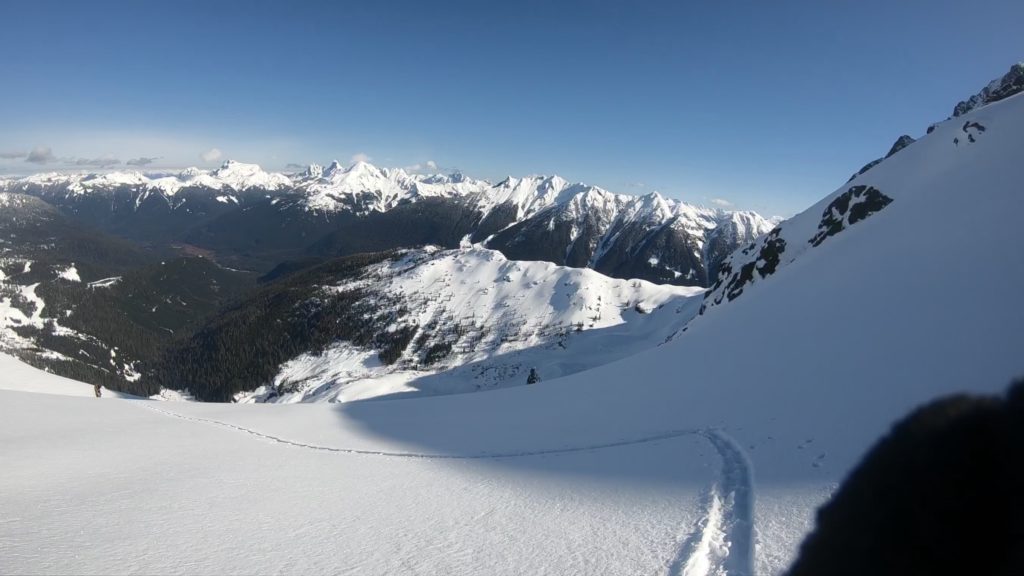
(428, 165)
(142, 161)
(294, 166)
(102, 162)
(211, 155)
(41, 155)
(721, 202)
(12, 155)
(360, 157)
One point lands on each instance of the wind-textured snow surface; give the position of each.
(706, 455)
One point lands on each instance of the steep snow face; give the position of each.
(482, 321)
(958, 158)
(529, 195)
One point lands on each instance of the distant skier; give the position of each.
(97, 388)
(533, 378)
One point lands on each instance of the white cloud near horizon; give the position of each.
(428, 165)
(721, 202)
(211, 155)
(360, 157)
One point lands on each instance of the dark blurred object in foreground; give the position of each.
(943, 493)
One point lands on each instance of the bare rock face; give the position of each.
(901, 143)
(850, 207)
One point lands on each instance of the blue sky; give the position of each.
(765, 105)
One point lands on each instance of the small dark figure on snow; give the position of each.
(533, 378)
(98, 389)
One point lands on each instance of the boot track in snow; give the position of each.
(722, 543)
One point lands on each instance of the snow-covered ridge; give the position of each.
(1003, 87)
(530, 218)
(364, 187)
(484, 321)
(984, 131)
(361, 187)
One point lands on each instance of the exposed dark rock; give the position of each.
(847, 209)
(731, 282)
(901, 143)
(1011, 83)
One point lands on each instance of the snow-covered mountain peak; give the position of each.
(241, 176)
(362, 166)
(335, 167)
(189, 173)
(313, 171)
(530, 194)
(658, 204)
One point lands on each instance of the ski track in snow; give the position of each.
(721, 544)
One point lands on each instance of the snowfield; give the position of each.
(705, 455)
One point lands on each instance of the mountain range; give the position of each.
(246, 217)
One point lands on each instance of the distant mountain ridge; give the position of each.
(240, 210)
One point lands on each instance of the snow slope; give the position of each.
(20, 377)
(488, 321)
(181, 496)
(706, 455)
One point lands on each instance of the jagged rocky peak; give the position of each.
(901, 143)
(336, 167)
(313, 171)
(1009, 84)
